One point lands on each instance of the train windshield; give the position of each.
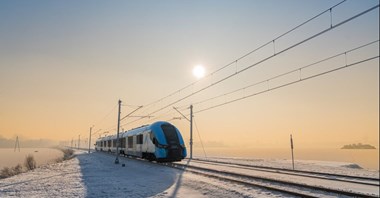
(170, 134)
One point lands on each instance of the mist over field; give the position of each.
(26, 143)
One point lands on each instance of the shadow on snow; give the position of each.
(103, 178)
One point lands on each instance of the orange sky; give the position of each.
(65, 65)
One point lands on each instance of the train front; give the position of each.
(168, 141)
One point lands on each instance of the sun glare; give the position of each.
(199, 71)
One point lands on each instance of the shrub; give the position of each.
(30, 163)
(6, 172)
(9, 172)
(17, 169)
(67, 153)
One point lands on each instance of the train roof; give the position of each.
(131, 132)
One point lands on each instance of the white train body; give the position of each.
(160, 141)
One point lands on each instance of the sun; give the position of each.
(199, 71)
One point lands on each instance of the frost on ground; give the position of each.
(343, 168)
(57, 180)
(96, 175)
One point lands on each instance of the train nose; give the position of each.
(175, 152)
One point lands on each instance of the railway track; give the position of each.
(288, 187)
(292, 188)
(311, 174)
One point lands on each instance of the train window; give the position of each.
(109, 143)
(114, 143)
(170, 134)
(139, 139)
(151, 135)
(130, 142)
(122, 142)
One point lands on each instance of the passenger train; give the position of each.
(160, 141)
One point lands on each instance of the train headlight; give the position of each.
(162, 146)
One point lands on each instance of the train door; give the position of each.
(109, 145)
(123, 145)
(145, 144)
(139, 141)
(134, 146)
(130, 146)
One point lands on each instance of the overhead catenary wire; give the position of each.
(288, 72)
(150, 118)
(106, 116)
(200, 139)
(288, 84)
(249, 53)
(139, 107)
(245, 55)
(267, 58)
(235, 61)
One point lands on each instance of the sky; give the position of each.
(65, 64)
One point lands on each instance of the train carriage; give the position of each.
(160, 141)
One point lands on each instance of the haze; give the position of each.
(65, 64)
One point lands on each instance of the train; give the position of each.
(160, 141)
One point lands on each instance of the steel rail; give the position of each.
(290, 170)
(274, 181)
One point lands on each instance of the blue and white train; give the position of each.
(160, 141)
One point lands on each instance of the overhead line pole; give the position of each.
(117, 138)
(292, 147)
(191, 131)
(191, 127)
(89, 142)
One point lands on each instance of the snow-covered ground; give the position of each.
(96, 175)
(343, 168)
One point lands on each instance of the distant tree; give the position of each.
(30, 163)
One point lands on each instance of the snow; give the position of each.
(96, 175)
(332, 167)
(55, 180)
(291, 178)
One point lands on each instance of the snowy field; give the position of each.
(41, 155)
(96, 175)
(343, 168)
